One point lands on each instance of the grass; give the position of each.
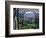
(28, 25)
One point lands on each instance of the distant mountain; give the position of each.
(29, 15)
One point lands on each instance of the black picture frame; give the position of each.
(7, 16)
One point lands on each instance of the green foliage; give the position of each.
(28, 25)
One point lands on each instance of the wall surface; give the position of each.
(2, 18)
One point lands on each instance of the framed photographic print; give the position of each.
(24, 18)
